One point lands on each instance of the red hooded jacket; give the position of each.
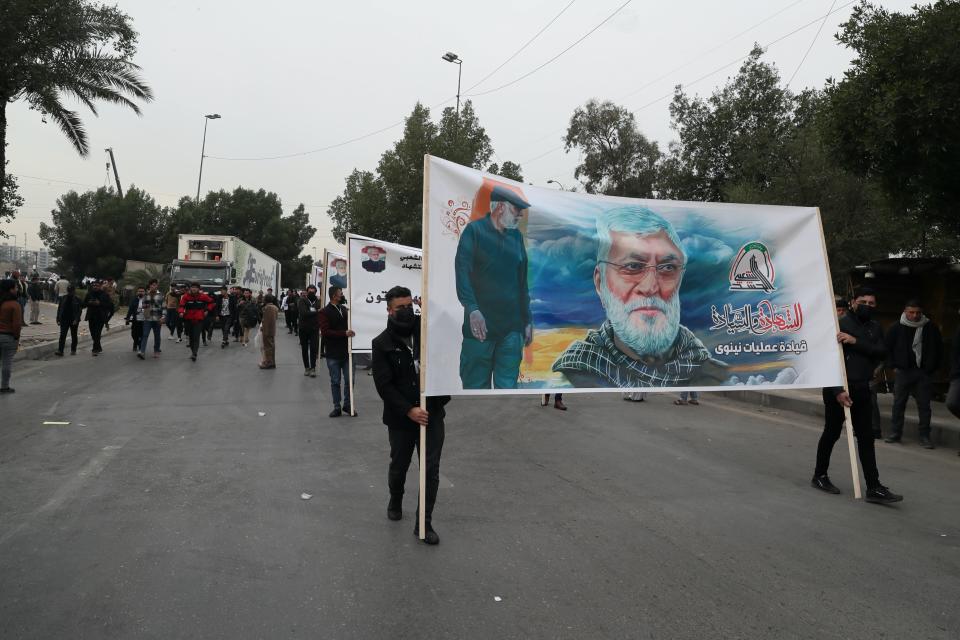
(195, 307)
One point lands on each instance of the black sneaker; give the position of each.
(926, 443)
(346, 410)
(336, 413)
(58, 353)
(141, 356)
(193, 357)
(823, 483)
(394, 510)
(892, 439)
(430, 537)
(6, 390)
(882, 495)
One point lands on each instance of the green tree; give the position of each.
(509, 170)
(142, 277)
(95, 233)
(10, 200)
(363, 205)
(894, 114)
(56, 49)
(616, 159)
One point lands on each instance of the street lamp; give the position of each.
(452, 57)
(207, 119)
(556, 183)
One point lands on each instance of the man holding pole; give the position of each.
(863, 349)
(396, 374)
(334, 328)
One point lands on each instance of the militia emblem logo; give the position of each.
(753, 269)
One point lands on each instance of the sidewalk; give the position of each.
(40, 341)
(944, 427)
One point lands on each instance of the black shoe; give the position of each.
(336, 413)
(882, 495)
(430, 537)
(141, 356)
(926, 443)
(394, 510)
(6, 390)
(193, 357)
(823, 483)
(892, 439)
(346, 409)
(58, 353)
(223, 345)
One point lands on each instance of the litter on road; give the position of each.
(54, 422)
(306, 496)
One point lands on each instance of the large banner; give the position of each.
(531, 289)
(374, 268)
(334, 274)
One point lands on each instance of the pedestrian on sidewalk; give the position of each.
(153, 311)
(35, 291)
(863, 349)
(268, 332)
(172, 302)
(11, 321)
(914, 348)
(249, 315)
(194, 308)
(334, 323)
(557, 401)
(308, 320)
(134, 318)
(68, 318)
(688, 397)
(396, 374)
(290, 313)
(60, 288)
(953, 393)
(99, 309)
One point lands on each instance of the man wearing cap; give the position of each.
(491, 272)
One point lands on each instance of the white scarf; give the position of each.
(918, 336)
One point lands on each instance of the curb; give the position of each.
(45, 350)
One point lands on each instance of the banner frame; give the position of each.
(425, 238)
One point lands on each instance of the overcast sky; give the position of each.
(297, 75)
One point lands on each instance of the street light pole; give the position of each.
(203, 149)
(449, 56)
(556, 182)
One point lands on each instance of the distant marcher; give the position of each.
(226, 308)
(68, 318)
(11, 321)
(334, 323)
(110, 289)
(134, 318)
(22, 296)
(249, 315)
(99, 308)
(61, 287)
(153, 309)
(237, 328)
(557, 401)
(862, 342)
(268, 333)
(35, 291)
(688, 397)
(289, 308)
(914, 348)
(194, 307)
(172, 302)
(308, 319)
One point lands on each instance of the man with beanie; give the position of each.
(396, 373)
(863, 349)
(914, 348)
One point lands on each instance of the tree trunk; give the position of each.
(3, 146)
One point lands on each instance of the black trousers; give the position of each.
(96, 329)
(235, 323)
(403, 442)
(136, 332)
(226, 328)
(193, 329)
(310, 348)
(292, 319)
(909, 382)
(861, 414)
(64, 328)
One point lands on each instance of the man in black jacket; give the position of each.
(334, 327)
(396, 373)
(863, 349)
(914, 348)
(99, 309)
(308, 319)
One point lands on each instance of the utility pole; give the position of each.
(116, 175)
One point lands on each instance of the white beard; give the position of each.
(653, 335)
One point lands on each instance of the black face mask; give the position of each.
(311, 297)
(864, 313)
(403, 321)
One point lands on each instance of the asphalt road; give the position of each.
(169, 508)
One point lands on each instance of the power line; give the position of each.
(810, 48)
(575, 43)
(518, 51)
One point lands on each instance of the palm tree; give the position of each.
(56, 49)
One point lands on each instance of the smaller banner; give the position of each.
(374, 268)
(315, 276)
(334, 274)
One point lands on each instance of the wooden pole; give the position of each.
(422, 512)
(851, 446)
(353, 398)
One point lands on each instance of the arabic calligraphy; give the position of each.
(382, 297)
(765, 318)
(411, 262)
(759, 348)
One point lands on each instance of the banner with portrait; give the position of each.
(375, 267)
(334, 274)
(315, 276)
(536, 290)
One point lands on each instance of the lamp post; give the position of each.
(452, 57)
(556, 183)
(203, 149)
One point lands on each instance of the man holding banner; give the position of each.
(491, 273)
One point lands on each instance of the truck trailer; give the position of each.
(215, 261)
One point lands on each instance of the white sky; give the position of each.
(295, 75)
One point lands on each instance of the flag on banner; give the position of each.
(334, 274)
(375, 267)
(530, 289)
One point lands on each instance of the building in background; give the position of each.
(25, 258)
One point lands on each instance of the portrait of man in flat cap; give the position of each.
(491, 275)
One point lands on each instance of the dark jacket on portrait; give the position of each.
(398, 381)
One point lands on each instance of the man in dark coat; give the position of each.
(335, 329)
(396, 373)
(99, 309)
(68, 318)
(308, 321)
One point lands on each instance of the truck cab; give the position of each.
(209, 274)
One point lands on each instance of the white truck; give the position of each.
(214, 261)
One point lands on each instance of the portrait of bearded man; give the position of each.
(639, 270)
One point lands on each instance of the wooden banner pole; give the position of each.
(851, 445)
(425, 230)
(353, 398)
